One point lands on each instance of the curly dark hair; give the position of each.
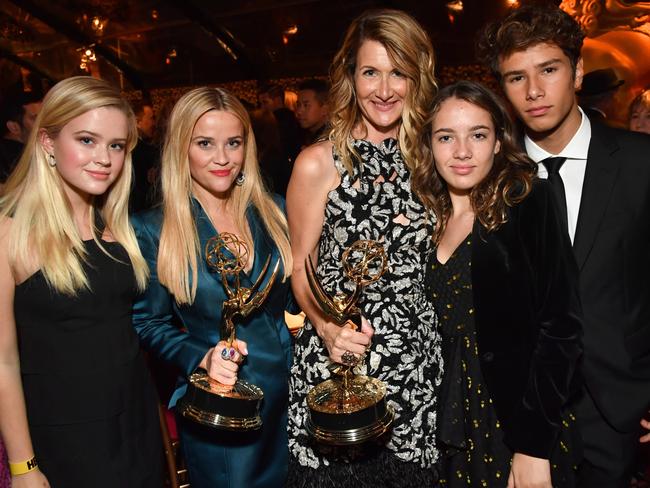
(507, 183)
(528, 26)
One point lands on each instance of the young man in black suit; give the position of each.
(602, 181)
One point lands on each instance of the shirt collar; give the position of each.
(577, 148)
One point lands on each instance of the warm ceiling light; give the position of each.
(456, 6)
(291, 30)
(512, 3)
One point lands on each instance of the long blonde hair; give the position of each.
(410, 51)
(179, 241)
(35, 199)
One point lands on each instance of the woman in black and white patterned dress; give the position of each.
(357, 186)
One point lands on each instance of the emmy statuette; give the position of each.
(349, 408)
(207, 401)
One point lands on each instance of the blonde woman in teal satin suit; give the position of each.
(211, 184)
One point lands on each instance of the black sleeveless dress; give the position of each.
(91, 405)
(473, 452)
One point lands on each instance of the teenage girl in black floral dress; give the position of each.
(504, 283)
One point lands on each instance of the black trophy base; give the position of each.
(343, 417)
(215, 405)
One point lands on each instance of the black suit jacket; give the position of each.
(528, 320)
(612, 250)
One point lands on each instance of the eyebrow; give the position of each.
(540, 65)
(95, 134)
(473, 128)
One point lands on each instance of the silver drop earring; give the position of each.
(241, 177)
(51, 161)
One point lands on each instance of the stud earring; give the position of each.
(51, 161)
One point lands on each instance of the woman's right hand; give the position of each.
(224, 370)
(341, 339)
(33, 479)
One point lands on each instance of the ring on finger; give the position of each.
(349, 359)
(228, 353)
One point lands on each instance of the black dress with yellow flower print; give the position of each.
(473, 453)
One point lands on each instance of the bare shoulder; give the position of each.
(316, 164)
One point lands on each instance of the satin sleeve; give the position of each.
(159, 327)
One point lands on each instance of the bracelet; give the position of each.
(23, 467)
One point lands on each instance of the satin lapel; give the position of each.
(263, 248)
(206, 231)
(600, 178)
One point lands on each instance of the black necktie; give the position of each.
(553, 166)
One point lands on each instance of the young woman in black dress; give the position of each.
(504, 282)
(75, 397)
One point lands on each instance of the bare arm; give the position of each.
(314, 176)
(13, 416)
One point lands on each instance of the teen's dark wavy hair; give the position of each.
(528, 26)
(507, 183)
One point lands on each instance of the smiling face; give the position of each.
(216, 153)
(539, 82)
(464, 144)
(89, 151)
(380, 91)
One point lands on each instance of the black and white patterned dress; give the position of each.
(377, 203)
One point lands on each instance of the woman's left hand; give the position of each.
(529, 472)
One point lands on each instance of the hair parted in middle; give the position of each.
(507, 183)
(528, 26)
(409, 49)
(179, 242)
(43, 226)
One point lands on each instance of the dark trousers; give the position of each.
(609, 455)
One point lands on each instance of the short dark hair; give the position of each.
(320, 87)
(139, 105)
(528, 26)
(12, 107)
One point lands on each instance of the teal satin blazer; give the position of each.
(215, 457)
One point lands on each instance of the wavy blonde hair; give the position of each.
(179, 241)
(34, 197)
(410, 51)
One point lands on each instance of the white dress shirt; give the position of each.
(572, 171)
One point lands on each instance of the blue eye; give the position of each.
(444, 138)
(234, 143)
(368, 72)
(117, 146)
(85, 140)
(203, 143)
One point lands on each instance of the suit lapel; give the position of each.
(600, 178)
